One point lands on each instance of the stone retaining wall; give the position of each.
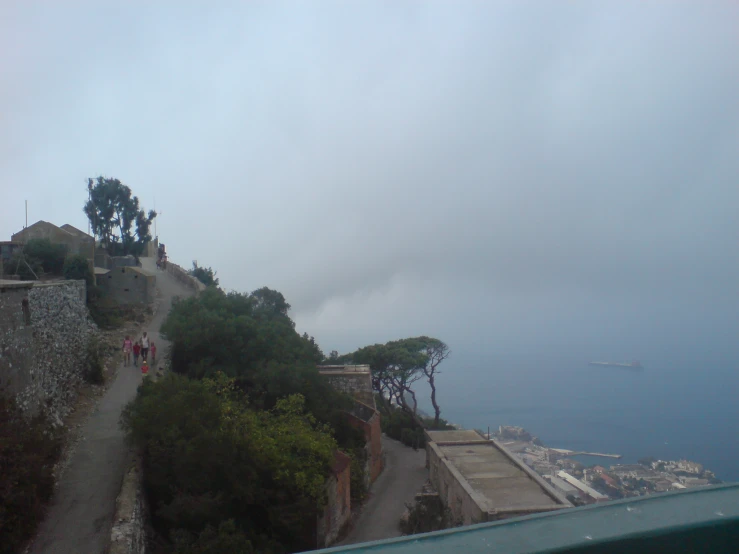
(128, 534)
(44, 333)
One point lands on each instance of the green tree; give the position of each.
(210, 457)
(38, 256)
(397, 365)
(205, 275)
(50, 255)
(116, 217)
(436, 352)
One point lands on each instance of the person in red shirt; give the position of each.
(144, 367)
(136, 352)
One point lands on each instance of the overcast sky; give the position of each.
(543, 173)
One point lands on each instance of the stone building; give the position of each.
(76, 241)
(356, 381)
(479, 480)
(127, 284)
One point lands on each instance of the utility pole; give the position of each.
(91, 227)
(26, 214)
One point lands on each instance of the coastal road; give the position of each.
(81, 513)
(404, 475)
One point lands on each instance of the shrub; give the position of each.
(400, 425)
(28, 269)
(94, 365)
(205, 275)
(77, 267)
(210, 457)
(50, 255)
(28, 451)
(427, 514)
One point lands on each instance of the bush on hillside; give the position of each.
(94, 364)
(28, 269)
(77, 267)
(50, 255)
(205, 275)
(28, 451)
(250, 337)
(427, 514)
(210, 457)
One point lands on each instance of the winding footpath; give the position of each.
(80, 517)
(404, 475)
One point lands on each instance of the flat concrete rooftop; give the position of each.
(458, 435)
(500, 482)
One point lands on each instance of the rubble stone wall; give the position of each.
(43, 345)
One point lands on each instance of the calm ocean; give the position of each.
(664, 411)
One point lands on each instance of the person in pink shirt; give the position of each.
(127, 347)
(153, 350)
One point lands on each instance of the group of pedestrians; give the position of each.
(142, 348)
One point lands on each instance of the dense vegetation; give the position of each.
(38, 257)
(238, 441)
(28, 451)
(210, 458)
(77, 267)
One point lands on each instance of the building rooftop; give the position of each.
(499, 481)
(575, 482)
(459, 435)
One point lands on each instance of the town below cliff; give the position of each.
(583, 484)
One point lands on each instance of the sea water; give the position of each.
(666, 411)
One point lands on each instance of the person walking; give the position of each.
(136, 352)
(144, 368)
(153, 349)
(145, 346)
(127, 351)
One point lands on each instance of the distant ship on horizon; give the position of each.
(630, 365)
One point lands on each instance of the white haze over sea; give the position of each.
(537, 184)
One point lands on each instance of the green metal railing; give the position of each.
(704, 519)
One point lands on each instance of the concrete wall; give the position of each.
(337, 513)
(353, 380)
(369, 423)
(128, 534)
(453, 489)
(128, 285)
(76, 243)
(44, 332)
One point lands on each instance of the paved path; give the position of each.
(81, 514)
(404, 475)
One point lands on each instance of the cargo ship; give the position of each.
(629, 365)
